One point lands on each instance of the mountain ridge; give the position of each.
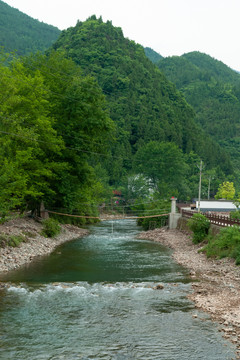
(22, 34)
(145, 106)
(213, 90)
(142, 101)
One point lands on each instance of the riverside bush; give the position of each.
(3, 240)
(51, 228)
(154, 208)
(235, 214)
(225, 244)
(12, 240)
(199, 225)
(152, 223)
(15, 240)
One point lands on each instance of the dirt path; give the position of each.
(217, 290)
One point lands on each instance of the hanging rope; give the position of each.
(98, 218)
(78, 216)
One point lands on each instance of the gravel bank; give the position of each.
(217, 290)
(35, 245)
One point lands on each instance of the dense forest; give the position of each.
(21, 34)
(213, 90)
(142, 102)
(94, 115)
(50, 125)
(152, 55)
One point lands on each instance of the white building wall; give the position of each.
(220, 205)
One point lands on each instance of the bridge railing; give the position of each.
(220, 220)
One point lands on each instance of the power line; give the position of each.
(73, 148)
(66, 147)
(79, 138)
(69, 75)
(83, 76)
(64, 136)
(55, 93)
(109, 205)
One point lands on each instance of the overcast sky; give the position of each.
(170, 27)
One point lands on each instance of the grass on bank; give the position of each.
(12, 240)
(51, 228)
(199, 225)
(224, 244)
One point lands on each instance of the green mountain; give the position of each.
(213, 90)
(23, 34)
(144, 105)
(152, 55)
(153, 133)
(212, 66)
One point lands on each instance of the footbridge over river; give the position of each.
(173, 216)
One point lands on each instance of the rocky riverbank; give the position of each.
(34, 244)
(217, 289)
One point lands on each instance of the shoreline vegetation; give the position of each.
(34, 244)
(216, 285)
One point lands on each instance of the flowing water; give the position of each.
(94, 298)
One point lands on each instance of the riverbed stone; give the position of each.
(218, 289)
(14, 257)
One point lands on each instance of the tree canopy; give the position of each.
(213, 90)
(226, 191)
(22, 34)
(143, 104)
(48, 131)
(94, 114)
(152, 55)
(163, 163)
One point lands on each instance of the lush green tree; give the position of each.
(212, 89)
(60, 145)
(82, 121)
(163, 164)
(152, 55)
(142, 103)
(27, 139)
(53, 120)
(148, 210)
(226, 191)
(225, 244)
(199, 225)
(139, 188)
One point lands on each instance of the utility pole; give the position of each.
(209, 183)
(200, 184)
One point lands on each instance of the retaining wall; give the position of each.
(182, 225)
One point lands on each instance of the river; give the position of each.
(94, 298)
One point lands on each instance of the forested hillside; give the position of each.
(143, 104)
(213, 90)
(20, 33)
(94, 114)
(152, 55)
(51, 119)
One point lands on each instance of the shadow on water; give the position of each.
(94, 298)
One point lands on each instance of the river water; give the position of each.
(94, 298)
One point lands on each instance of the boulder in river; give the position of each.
(158, 287)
